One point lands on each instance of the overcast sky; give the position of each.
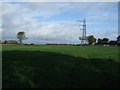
(55, 22)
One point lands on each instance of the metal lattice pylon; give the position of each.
(83, 38)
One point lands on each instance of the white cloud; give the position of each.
(0, 21)
(49, 32)
(17, 17)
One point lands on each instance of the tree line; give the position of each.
(9, 42)
(104, 41)
(20, 35)
(90, 39)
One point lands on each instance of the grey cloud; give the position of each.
(17, 17)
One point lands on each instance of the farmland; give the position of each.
(59, 66)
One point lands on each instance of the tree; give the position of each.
(112, 42)
(99, 41)
(13, 42)
(5, 42)
(105, 41)
(118, 40)
(91, 39)
(21, 36)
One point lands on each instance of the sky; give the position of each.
(59, 0)
(56, 22)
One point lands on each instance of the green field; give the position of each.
(60, 66)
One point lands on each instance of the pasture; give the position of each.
(60, 66)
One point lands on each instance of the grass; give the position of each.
(50, 66)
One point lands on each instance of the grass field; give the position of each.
(60, 66)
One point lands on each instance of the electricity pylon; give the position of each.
(83, 38)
